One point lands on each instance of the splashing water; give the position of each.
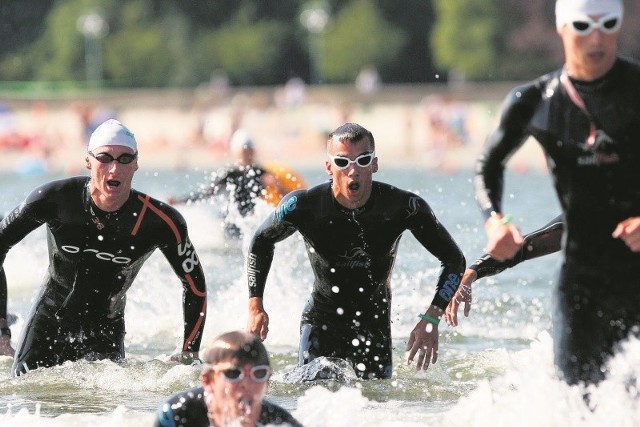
(495, 369)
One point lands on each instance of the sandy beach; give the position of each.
(419, 129)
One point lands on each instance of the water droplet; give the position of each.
(340, 311)
(335, 289)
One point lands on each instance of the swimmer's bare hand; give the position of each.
(629, 232)
(186, 357)
(5, 346)
(463, 295)
(258, 323)
(505, 240)
(423, 341)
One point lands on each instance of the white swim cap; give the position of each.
(112, 132)
(241, 140)
(568, 10)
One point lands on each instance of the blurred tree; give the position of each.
(464, 36)
(20, 22)
(181, 42)
(357, 37)
(148, 48)
(59, 53)
(249, 57)
(414, 61)
(528, 45)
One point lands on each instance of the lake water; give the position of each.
(495, 369)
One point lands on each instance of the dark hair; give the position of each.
(352, 132)
(235, 345)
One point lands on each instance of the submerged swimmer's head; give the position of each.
(235, 373)
(238, 346)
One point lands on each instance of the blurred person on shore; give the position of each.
(239, 186)
(100, 232)
(352, 226)
(585, 117)
(234, 381)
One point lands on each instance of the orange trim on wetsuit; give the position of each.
(146, 204)
(91, 269)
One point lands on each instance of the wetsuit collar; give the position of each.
(98, 216)
(600, 83)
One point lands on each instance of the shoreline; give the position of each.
(436, 133)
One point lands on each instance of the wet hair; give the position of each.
(353, 133)
(243, 347)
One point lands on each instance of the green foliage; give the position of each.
(147, 55)
(358, 37)
(59, 52)
(248, 57)
(464, 36)
(255, 42)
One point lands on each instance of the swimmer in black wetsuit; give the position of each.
(538, 243)
(585, 117)
(352, 227)
(240, 185)
(100, 232)
(234, 377)
(5, 332)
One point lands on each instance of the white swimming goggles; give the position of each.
(585, 25)
(363, 160)
(235, 374)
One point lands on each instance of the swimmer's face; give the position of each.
(352, 185)
(589, 57)
(235, 400)
(110, 182)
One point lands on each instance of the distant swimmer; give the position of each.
(352, 226)
(99, 232)
(242, 184)
(584, 115)
(544, 241)
(234, 379)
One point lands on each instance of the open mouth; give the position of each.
(244, 407)
(354, 186)
(113, 183)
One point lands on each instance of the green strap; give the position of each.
(428, 318)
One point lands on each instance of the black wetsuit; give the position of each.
(598, 185)
(94, 257)
(241, 186)
(544, 241)
(352, 253)
(189, 409)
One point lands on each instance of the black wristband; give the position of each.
(5, 331)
